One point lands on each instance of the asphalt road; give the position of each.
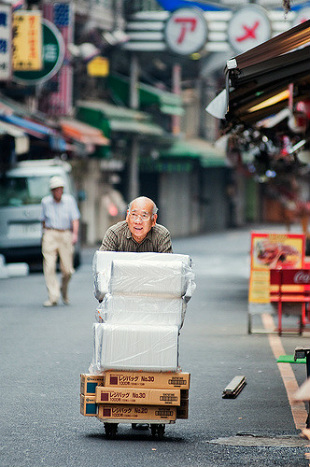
(43, 352)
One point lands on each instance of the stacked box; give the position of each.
(129, 395)
(102, 267)
(135, 347)
(88, 406)
(137, 412)
(88, 384)
(144, 379)
(135, 367)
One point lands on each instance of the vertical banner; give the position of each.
(271, 251)
(5, 42)
(27, 41)
(59, 100)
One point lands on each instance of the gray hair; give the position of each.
(154, 210)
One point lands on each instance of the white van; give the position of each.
(21, 191)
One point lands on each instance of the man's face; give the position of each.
(57, 193)
(140, 219)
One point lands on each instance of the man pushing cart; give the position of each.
(135, 375)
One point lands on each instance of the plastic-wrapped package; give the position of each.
(134, 347)
(119, 309)
(152, 278)
(102, 261)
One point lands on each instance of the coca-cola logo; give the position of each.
(302, 277)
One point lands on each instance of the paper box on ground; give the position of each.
(108, 395)
(135, 347)
(136, 412)
(88, 383)
(88, 406)
(147, 379)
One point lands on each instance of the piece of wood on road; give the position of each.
(234, 387)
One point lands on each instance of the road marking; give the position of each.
(298, 409)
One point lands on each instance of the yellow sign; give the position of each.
(98, 66)
(272, 251)
(27, 41)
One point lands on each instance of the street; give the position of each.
(43, 352)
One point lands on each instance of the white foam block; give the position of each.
(102, 261)
(152, 278)
(133, 347)
(118, 309)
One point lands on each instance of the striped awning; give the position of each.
(82, 132)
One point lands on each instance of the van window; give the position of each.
(20, 191)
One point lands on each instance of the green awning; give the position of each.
(113, 119)
(167, 102)
(203, 151)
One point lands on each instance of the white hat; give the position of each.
(56, 182)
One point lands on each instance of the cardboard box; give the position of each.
(88, 406)
(129, 395)
(146, 379)
(136, 412)
(183, 409)
(88, 383)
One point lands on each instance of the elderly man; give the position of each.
(139, 232)
(60, 222)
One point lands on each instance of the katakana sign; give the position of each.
(186, 31)
(248, 27)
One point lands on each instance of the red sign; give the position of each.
(248, 28)
(186, 31)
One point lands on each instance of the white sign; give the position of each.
(302, 16)
(5, 42)
(186, 31)
(248, 28)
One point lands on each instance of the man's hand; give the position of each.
(75, 231)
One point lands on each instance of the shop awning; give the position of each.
(32, 128)
(34, 124)
(258, 80)
(113, 119)
(83, 133)
(203, 151)
(20, 139)
(167, 102)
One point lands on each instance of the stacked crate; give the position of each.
(135, 373)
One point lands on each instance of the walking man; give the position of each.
(60, 222)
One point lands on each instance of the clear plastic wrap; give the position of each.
(134, 347)
(102, 262)
(152, 278)
(118, 309)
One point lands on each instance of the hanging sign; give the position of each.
(53, 56)
(98, 66)
(5, 42)
(248, 28)
(186, 31)
(27, 41)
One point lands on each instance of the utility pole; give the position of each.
(133, 188)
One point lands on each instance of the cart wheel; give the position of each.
(110, 430)
(153, 430)
(160, 431)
